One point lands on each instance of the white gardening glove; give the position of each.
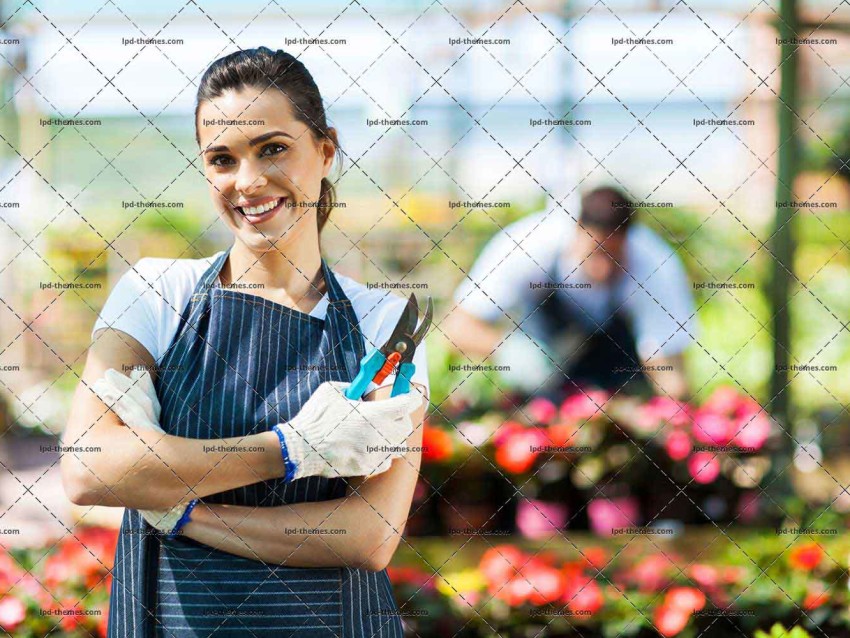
(135, 402)
(333, 436)
(132, 398)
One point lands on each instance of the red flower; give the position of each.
(500, 564)
(583, 596)
(689, 599)
(515, 592)
(547, 582)
(678, 445)
(410, 576)
(103, 621)
(541, 410)
(815, 597)
(584, 405)
(12, 613)
(595, 557)
(704, 467)
(516, 453)
(670, 620)
(10, 572)
(436, 445)
(806, 557)
(564, 434)
(74, 618)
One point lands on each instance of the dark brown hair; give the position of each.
(262, 68)
(606, 208)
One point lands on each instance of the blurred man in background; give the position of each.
(602, 302)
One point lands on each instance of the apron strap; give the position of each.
(343, 328)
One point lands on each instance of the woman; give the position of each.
(259, 553)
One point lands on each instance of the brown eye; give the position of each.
(221, 160)
(273, 149)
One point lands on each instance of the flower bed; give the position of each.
(599, 462)
(61, 590)
(622, 590)
(616, 587)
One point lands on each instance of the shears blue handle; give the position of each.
(369, 367)
(403, 378)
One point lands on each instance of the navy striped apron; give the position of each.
(238, 365)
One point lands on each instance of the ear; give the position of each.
(328, 147)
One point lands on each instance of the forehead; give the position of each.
(237, 116)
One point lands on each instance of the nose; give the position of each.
(250, 178)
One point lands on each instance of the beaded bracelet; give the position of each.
(284, 452)
(184, 519)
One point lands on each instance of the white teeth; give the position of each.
(259, 210)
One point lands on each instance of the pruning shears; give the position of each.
(396, 353)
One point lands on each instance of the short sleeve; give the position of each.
(663, 307)
(131, 308)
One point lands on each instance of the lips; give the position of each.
(262, 212)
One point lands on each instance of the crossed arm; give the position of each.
(143, 469)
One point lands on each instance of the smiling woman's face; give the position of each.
(265, 179)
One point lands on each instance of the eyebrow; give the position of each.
(257, 140)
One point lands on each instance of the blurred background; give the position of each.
(485, 506)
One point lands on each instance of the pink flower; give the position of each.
(505, 431)
(711, 428)
(607, 515)
(541, 410)
(704, 467)
(704, 575)
(751, 430)
(652, 573)
(724, 400)
(678, 445)
(584, 405)
(12, 613)
(667, 410)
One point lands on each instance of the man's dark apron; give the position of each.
(238, 365)
(602, 355)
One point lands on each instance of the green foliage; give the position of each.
(778, 631)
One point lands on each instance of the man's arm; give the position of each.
(471, 336)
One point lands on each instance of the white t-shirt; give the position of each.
(148, 300)
(653, 293)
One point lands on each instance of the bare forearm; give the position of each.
(143, 469)
(361, 530)
(332, 533)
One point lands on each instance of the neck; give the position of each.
(295, 268)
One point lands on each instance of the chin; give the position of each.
(272, 237)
